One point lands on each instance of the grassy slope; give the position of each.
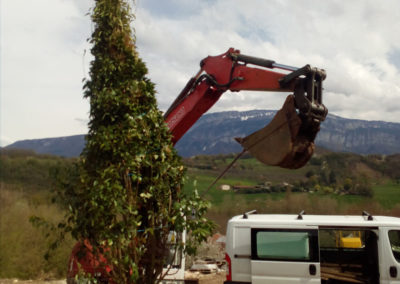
(388, 194)
(25, 191)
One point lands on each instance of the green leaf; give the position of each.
(146, 195)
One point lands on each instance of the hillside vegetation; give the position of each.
(25, 190)
(331, 183)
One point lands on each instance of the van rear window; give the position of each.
(291, 245)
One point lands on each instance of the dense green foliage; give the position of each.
(128, 195)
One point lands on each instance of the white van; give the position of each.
(313, 249)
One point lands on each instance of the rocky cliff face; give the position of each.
(214, 134)
(359, 136)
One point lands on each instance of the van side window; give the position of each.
(345, 238)
(285, 245)
(394, 237)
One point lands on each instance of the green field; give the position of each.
(388, 194)
(225, 204)
(383, 199)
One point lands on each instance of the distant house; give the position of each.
(225, 187)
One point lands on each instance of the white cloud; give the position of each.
(42, 68)
(351, 40)
(357, 42)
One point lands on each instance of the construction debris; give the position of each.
(205, 266)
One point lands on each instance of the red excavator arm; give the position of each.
(231, 71)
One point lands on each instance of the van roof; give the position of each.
(316, 220)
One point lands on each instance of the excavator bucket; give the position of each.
(283, 142)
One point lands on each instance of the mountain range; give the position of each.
(213, 134)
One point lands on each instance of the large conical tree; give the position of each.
(129, 196)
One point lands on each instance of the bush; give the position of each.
(362, 189)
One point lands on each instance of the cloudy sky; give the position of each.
(45, 55)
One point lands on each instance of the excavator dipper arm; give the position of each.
(217, 75)
(231, 71)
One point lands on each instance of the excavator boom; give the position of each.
(288, 140)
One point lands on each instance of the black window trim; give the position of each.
(312, 241)
(395, 255)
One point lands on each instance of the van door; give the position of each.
(285, 256)
(390, 255)
(349, 254)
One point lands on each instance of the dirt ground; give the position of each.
(214, 278)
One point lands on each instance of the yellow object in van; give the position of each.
(352, 240)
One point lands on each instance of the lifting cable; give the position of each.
(240, 155)
(223, 172)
